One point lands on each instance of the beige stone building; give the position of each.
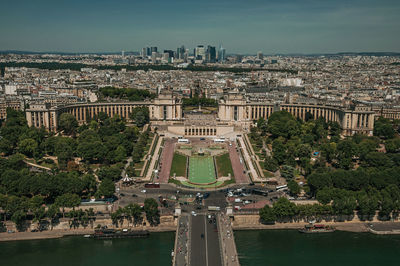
(235, 115)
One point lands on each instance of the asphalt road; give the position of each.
(205, 250)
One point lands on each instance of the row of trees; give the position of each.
(21, 209)
(343, 207)
(133, 213)
(202, 101)
(130, 94)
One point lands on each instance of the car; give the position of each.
(122, 195)
(198, 207)
(34, 230)
(206, 195)
(202, 138)
(143, 191)
(134, 196)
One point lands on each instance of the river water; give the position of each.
(264, 247)
(289, 247)
(77, 250)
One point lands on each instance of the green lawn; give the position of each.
(178, 165)
(224, 165)
(201, 169)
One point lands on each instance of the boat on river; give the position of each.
(317, 228)
(113, 233)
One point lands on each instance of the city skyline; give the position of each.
(274, 27)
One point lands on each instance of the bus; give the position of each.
(214, 208)
(219, 140)
(280, 188)
(183, 141)
(152, 185)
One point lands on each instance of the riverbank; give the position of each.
(252, 222)
(58, 233)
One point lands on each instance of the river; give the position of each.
(77, 250)
(289, 247)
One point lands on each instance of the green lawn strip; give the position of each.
(139, 165)
(268, 174)
(201, 169)
(224, 165)
(178, 165)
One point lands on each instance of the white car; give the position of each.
(194, 213)
(143, 191)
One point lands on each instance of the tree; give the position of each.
(67, 122)
(283, 124)
(19, 218)
(67, 200)
(134, 211)
(140, 115)
(106, 188)
(270, 164)
(284, 209)
(267, 214)
(294, 188)
(151, 210)
(52, 214)
(383, 128)
(28, 147)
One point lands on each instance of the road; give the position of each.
(205, 250)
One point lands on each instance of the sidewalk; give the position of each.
(227, 241)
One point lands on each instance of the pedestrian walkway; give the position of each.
(166, 160)
(249, 162)
(153, 160)
(227, 241)
(181, 253)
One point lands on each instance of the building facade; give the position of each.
(235, 114)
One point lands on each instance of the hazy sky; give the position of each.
(242, 26)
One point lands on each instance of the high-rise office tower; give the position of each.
(123, 53)
(154, 57)
(200, 52)
(221, 54)
(170, 53)
(148, 51)
(144, 52)
(153, 49)
(180, 52)
(260, 55)
(186, 55)
(211, 54)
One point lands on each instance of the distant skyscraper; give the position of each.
(186, 55)
(154, 57)
(221, 54)
(211, 54)
(200, 52)
(144, 52)
(180, 52)
(260, 55)
(123, 53)
(170, 53)
(153, 49)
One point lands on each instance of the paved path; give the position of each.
(154, 158)
(182, 242)
(247, 157)
(238, 169)
(228, 245)
(166, 160)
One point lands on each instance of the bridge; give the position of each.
(205, 239)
